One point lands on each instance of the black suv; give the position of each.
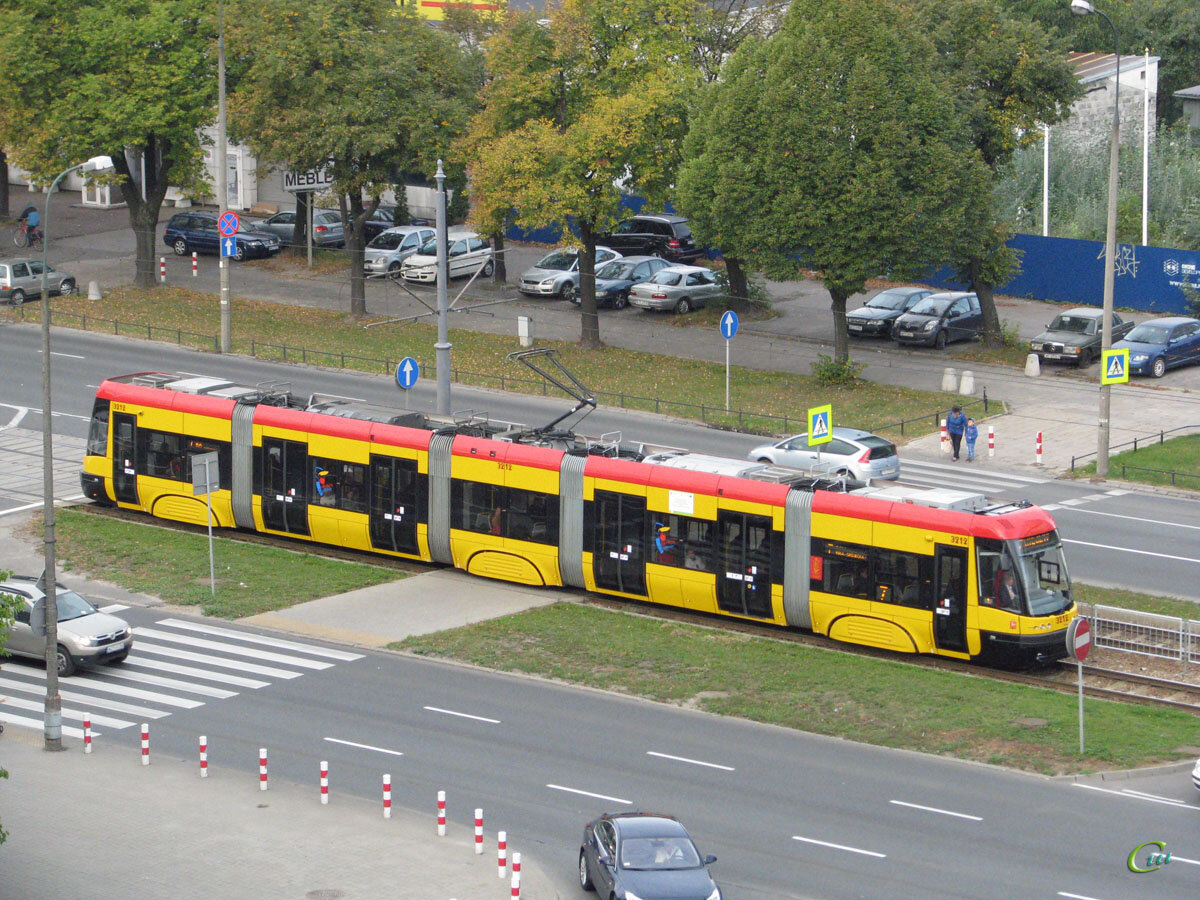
(666, 236)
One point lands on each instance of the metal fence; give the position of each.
(1148, 634)
(1149, 439)
(129, 329)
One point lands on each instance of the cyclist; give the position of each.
(30, 220)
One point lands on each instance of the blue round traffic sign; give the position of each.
(729, 324)
(407, 372)
(228, 224)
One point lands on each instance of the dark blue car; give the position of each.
(1161, 344)
(188, 231)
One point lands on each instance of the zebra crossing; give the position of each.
(176, 665)
(975, 476)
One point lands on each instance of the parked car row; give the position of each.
(197, 231)
(918, 316)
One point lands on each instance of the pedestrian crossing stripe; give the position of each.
(1115, 368)
(820, 430)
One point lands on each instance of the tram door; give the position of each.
(285, 485)
(124, 458)
(619, 537)
(394, 500)
(950, 613)
(744, 576)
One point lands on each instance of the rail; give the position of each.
(1135, 443)
(1147, 634)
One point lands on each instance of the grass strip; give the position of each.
(1154, 463)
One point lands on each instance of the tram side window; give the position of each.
(160, 455)
(338, 484)
(532, 516)
(97, 442)
(842, 569)
(904, 578)
(478, 507)
(687, 543)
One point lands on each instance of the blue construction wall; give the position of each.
(553, 234)
(1071, 271)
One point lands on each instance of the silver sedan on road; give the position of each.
(678, 288)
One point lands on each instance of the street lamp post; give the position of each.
(53, 708)
(1085, 8)
(442, 347)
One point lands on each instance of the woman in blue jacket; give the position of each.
(956, 424)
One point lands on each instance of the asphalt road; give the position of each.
(1114, 537)
(790, 815)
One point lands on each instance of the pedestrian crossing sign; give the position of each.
(820, 424)
(1115, 366)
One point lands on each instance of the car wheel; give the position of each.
(488, 268)
(67, 286)
(66, 662)
(683, 306)
(940, 340)
(240, 253)
(620, 301)
(1159, 368)
(585, 879)
(180, 247)
(1085, 358)
(569, 292)
(17, 297)
(394, 271)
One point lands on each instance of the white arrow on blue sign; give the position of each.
(729, 324)
(228, 247)
(407, 372)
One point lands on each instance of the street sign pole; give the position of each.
(729, 327)
(308, 206)
(206, 478)
(727, 376)
(1079, 644)
(222, 179)
(1079, 672)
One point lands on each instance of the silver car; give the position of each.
(679, 288)
(468, 254)
(853, 452)
(22, 278)
(557, 273)
(386, 253)
(86, 636)
(328, 230)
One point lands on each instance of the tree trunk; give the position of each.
(841, 343)
(589, 324)
(143, 212)
(354, 217)
(992, 335)
(4, 211)
(738, 289)
(500, 271)
(300, 232)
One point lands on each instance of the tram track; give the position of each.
(1106, 683)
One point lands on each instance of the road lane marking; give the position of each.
(104, 687)
(58, 501)
(364, 746)
(796, 837)
(84, 699)
(67, 355)
(113, 607)
(559, 787)
(461, 715)
(1131, 550)
(231, 648)
(1184, 859)
(67, 712)
(235, 664)
(1132, 796)
(260, 639)
(694, 762)
(934, 809)
(921, 464)
(1075, 896)
(18, 415)
(1096, 512)
(1153, 796)
(38, 725)
(185, 686)
(160, 666)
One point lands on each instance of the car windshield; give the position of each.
(71, 606)
(561, 260)
(1076, 324)
(659, 853)
(888, 300)
(1148, 334)
(931, 306)
(615, 270)
(666, 276)
(386, 241)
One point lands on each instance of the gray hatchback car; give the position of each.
(22, 278)
(857, 453)
(86, 636)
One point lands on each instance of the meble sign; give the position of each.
(312, 180)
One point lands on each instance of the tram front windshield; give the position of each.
(1025, 575)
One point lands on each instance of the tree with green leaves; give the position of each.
(130, 79)
(595, 97)
(831, 146)
(1008, 78)
(365, 85)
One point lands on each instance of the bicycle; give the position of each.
(26, 236)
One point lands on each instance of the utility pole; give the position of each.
(442, 347)
(222, 177)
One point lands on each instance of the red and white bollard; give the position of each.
(324, 783)
(478, 832)
(195, 265)
(203, 756)
(945, 438)
(387, 796)
(516, 864)
(87, 733)
(1038, 457)
(516, 886)
(502, 853)
(262, 768)
(991, 441)
(441, 813)
(162, 269)
(145, 744)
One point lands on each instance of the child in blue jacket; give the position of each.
(971, 434)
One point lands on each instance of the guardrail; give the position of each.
(1148, 634)
(1164, 472)
(119, 327)
(1152, 438)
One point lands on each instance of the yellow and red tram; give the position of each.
(958, 577)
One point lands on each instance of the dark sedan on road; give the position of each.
(615, 278)
(876, 318)
(640, 856)
(939, 319)
(1075, 336)
(1161, 344)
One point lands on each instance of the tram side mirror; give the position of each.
(709, 859)
(37, 618)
